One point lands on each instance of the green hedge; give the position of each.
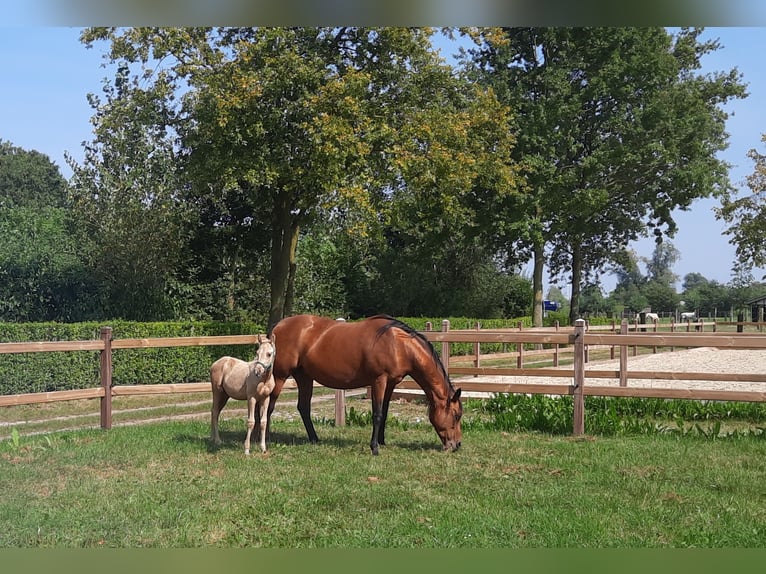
(58, 371)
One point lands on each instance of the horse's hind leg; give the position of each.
(219, 401)
(305, 392)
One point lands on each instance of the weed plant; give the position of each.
(614, 416)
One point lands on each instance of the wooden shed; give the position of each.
(757, 308)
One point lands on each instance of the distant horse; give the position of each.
(651, 318)
(253, 381)
(377, 352)
(689, 316)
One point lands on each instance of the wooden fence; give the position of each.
(578, 341)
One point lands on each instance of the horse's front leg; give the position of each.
(250, 422)
(378, 422)
(386, 401)
(275, 392)
(305, 392)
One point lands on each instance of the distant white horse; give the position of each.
(651, 318)
(690, 316)
(238, 379)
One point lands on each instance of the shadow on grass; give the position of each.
(235, 440)
(232, 440)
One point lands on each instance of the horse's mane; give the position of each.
(392, 322)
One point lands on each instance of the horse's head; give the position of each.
(446, 421)
(264, 356)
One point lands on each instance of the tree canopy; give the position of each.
(746, 216)
(616, 129)
(257, 172)
(277, 127)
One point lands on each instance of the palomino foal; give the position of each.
(237, 379)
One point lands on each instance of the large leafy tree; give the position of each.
(746, 217)
(277, 127)
(616, 128)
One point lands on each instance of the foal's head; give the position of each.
(264, 356)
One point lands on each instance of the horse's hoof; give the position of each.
(247, 451)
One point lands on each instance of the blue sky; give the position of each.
(47, 74)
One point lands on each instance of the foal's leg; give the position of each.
(250, 422)
(219, 401)
(263, 407)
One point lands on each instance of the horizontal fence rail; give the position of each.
(574, 342)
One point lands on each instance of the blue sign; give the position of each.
(550, 305)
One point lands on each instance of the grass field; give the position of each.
(163, 485)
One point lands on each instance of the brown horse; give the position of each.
(377, 352)
(253, 381)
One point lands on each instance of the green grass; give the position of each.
(162, 485)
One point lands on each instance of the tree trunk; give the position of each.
(574, 302)
(290, 291)
(537, 284)
(284, 241)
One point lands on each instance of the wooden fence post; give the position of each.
(445, 347)
(477, 350)
(672, 330)
(556, 349)
(578, 424)
(106, 378)
(624, 355)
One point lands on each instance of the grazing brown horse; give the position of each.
(377, 352)
(238, 379)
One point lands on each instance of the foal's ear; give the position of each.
(456, 396)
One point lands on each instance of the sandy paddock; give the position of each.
(694, 360)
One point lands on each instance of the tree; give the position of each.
(128, 215)
(42, 276)
(659, 267)
(616, 129)
(693, 281)
(593, 300)
(277, 127)
(659, 289)
(746, 217)
(660, 296)
(630, 282)
(707, 298)
(29, 178)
